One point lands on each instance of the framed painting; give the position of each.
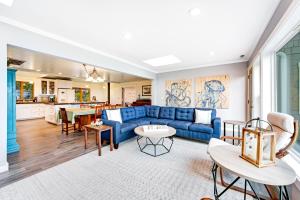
(146, 90)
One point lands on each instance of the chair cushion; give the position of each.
(180, 124)
(201, 128)
(152, 111)
(186, 114)
(281, 120)
(126, 127)
(140, 121)
(167, 113)
(140, 111)
(161, 121)
(127, 114)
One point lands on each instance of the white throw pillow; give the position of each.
(203, 116)
(114, 115)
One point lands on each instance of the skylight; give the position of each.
(161, 61)
(7, 2)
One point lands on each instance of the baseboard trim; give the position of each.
(4, 167)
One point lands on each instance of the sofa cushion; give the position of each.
(140, 111)
(167, 113)
(126, 127)
(201, 128)
(152, 111)
(180, 124)
(161, 121)
(140, 121)
(186, 114)
(114, 115)
(213, 112)
(127, 113)
(203, 116)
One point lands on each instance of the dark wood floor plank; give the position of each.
(43, 146)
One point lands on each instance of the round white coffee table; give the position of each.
(228, 157)
(158, 135)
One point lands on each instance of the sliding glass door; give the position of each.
(288, 81)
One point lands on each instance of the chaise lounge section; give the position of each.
(182, 119)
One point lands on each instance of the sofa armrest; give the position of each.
(116, 128)
(216, 124)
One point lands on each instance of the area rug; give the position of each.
(123, 174)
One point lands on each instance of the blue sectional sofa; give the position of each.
(182, 119)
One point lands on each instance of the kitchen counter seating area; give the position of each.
(182, 119)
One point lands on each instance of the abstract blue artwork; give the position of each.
(178, 93)
(212, 92)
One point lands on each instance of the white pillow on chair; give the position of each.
(203, 116)
(114, 115)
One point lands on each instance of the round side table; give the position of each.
(228, 157)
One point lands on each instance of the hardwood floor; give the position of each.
(43, 146)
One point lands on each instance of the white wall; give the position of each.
(116, 90)
(237, 86)
(3, 107)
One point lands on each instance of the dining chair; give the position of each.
(84, 106)
(65, 122)
(98, 112)
(113, 106)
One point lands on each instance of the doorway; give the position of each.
(254, 90)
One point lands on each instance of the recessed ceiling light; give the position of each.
(59, 73)
(7, 2)
(211, 53)
(127, 36)
(160, 61)
(194, 11)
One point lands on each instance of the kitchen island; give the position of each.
(49, 111)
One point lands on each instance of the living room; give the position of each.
(213, 66)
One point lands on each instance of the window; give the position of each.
(24, 90)
(288, 80)
(82, 94)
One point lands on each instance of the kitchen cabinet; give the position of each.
(30, 111)
(47, 87)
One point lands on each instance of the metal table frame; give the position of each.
(282, 194)
(160, 142)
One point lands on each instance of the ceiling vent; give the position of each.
(11, 61)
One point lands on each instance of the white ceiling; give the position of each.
(43, 65)
(158, 28)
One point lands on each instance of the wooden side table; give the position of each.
(234, 123)
(99, 130)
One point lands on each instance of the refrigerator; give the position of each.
(65, 95)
